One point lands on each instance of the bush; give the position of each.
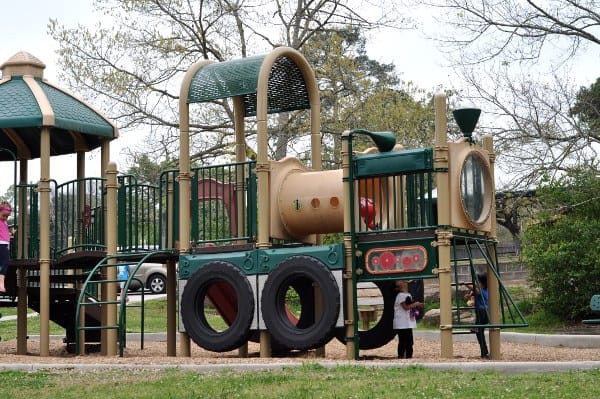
(562, 250)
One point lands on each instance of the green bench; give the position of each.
(595, 307)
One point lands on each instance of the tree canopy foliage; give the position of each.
(561, 249)
(132, 61)
(587, 108)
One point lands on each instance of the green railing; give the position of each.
(223, 211)
(226, 198)
(27, 201)
(78, 217)
(222, 206)
(397, 202)
(139, 215)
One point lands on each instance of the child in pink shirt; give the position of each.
(5, 211)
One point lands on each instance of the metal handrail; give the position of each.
(91, 281)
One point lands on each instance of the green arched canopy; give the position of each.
(286, 86)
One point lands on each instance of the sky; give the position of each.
(23, 27)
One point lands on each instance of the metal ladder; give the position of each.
(511, 316)
(89, 295)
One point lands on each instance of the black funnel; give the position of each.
(466, 118)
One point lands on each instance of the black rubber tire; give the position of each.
(300, 272)
(192, 307)
(382, 332)
(307, 303)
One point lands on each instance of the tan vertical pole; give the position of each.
(493, 284)
(171, 280)
(44, 190)
(348, 272)
(316, 160)
(443, 234)
(104, 160)
(240, 156)
(23, 244)
(185, 177)
(263, 170)
(81, 194)
(171, 308)
(111, 249)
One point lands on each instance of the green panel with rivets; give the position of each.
(245, 260)
(393, 162)
(396, 259)
(263, 261)
(332, 256)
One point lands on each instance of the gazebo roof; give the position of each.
(28, 103)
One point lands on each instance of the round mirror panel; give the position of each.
(475, 188)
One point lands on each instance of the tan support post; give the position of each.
(240, 183)
(265, 343)
(23, 234)
(171, 278)
(263, 169)
(80, 193)
(79, 286)
(185, 177)
(317, 164)
(103, 293)
(348, 272)
(493, 284)
(171, 308)
(44, 190)
(111, 249)
(444, 234)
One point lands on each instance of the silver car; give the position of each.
(152, 276)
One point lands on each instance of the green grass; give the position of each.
(308, 381)
(8, 328)
(155, 320)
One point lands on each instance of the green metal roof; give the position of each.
(73, 123)
(286, 87)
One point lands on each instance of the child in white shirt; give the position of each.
(404, 319)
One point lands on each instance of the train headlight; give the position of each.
(474, 185)
(471, 186)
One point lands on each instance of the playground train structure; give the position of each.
(243, 242)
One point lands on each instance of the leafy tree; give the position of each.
(146, 170)
(358, 92)
(513, 209)
(132, 65)
(587, 108)
(562, 248)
